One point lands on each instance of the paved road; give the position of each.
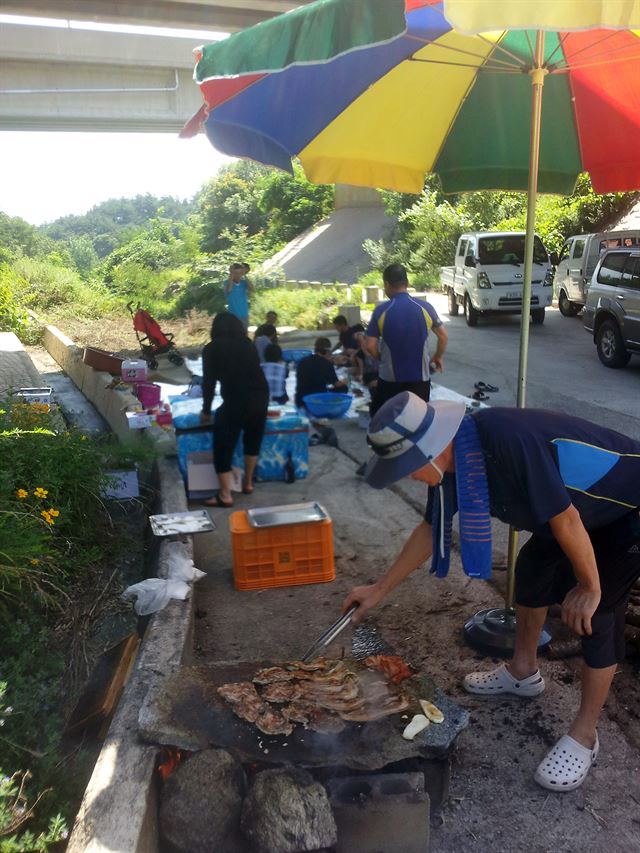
(564, 371)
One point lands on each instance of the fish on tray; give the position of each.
(321, 696)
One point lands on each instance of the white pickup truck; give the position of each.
(488, 276)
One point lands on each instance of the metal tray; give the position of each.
(173, 523)
(275, 516)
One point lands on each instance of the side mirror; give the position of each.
(469, 261)
(554, 259)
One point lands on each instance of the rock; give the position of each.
(286, 811)
(200, 804)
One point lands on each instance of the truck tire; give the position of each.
(537, 316)
(566, 306)
(453, 303)
(611, 349)
(470, 313)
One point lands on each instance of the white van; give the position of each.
(488, 276)
(578, 260)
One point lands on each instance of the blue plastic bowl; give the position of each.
(328, 404)
(295, 355)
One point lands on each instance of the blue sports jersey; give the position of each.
(402, 327)
(539, 463)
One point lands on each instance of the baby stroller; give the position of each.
(153, 341)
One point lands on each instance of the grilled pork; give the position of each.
(271, 722)
(245, 700)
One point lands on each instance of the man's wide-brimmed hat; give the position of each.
(406, 433)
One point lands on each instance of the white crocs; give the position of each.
(500, 681)
(565, 767)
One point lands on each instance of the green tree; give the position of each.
(229, 201)
(292, 204)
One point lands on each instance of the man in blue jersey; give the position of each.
(574, 485)
(398, 335)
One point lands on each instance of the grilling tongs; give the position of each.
(329, 635)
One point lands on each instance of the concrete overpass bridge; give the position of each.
(70, 79)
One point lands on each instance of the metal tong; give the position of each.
(329, 635)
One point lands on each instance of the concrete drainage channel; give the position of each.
(126, 806)
(119, 809)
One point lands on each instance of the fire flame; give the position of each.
(170, 758)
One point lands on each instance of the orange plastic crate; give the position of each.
(288, 555)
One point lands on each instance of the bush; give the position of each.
(302, 308)
(50, 289)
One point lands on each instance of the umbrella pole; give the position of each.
(494, 629)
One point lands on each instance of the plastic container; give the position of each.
(134, 370)
(149, 394)
(328, 404)
(35, 395)
(295, 355)
(100, 359)
(289, 555)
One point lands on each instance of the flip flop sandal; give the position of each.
(218, 502)
(484, 386)
(499, 682)
(566, 765)
(480, 395)
(247, 490)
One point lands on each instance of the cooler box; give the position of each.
(194, 437)
(288, 555)
(287, 434)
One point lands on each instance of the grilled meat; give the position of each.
(282, 691)
(271, 722)
(395, 704)
(245, 700)
(325, 723)
(298, 711)
(271, 675)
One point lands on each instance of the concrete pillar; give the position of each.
(371, 294)
(351, 312)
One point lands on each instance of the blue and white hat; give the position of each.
(406, 433)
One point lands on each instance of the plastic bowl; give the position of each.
(295, 355)
(328, 404)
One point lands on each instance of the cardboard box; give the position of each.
(122, 485)
(202, 480)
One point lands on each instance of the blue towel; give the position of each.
(472, 491)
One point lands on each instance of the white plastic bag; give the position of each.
(180, 564)
(153, 594)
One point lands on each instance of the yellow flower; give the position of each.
(34, 562)
(47, 517)
(83, 438)
(22, 493)
(40, 492)
(54, 512)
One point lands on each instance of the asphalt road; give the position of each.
(564, 372)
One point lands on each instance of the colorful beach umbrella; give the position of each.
(380, 93)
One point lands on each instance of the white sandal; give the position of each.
(565, 767)
(500, 681)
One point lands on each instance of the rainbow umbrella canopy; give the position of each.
(380, 93)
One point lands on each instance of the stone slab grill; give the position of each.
(187, 712)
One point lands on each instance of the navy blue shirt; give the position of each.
(539, 463)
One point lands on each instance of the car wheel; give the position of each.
(470, 313)
(537, 316)
(610, 346)
(453, 303)
(566, 306)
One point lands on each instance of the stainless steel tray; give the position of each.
(173, 523)
(275, 516)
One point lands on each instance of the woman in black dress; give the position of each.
(231, 359)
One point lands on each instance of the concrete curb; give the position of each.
(118, 813)
(93, 383)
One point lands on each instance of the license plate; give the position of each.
(514, 294)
